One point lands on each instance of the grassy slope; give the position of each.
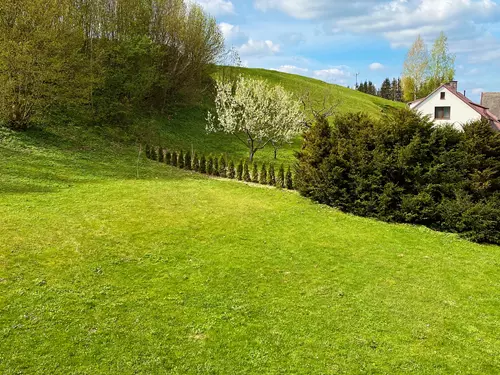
(186, 128)
(104, 273)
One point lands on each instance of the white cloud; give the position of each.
(336, 74)
(217, 7)
(376, 66)
(293, 69)
(232, 33)
(259, 48)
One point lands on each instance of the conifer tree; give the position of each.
(231, 173)
(161, 155)
(195, 163)
(239, 171)
(216, 166)
(271, 176)
(175, 159)
(255, 173)
(246, 172)
(168, 158)
(210, 165)
(280, 179)
(386, 90)
(222, 166)
(180, 161)
(187, 161)
(263, 175)
(289, 179)
(203, 164)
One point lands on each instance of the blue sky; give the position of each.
(333, 40)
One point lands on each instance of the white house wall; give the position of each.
(461, 112)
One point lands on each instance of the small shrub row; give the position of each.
(221, 167)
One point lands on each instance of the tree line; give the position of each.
(390, 89)
(100, 61)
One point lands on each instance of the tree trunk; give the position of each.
(275, 153)
(251, 154)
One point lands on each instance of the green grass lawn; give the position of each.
(185, 128)
(109, 266)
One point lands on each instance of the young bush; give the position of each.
(246, 172)
(210, 165)
(216, 167)
(168, 158)
(263, 175)
(280, 179)
(222, 166)
(271, 176)
(289, 179)
(255, 173)
(175, 159)
(180, 160)
(231, 173)
(239, 171)
(203, 164)
(187, 161)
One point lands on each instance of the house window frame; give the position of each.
(443, 95)
(443, 109)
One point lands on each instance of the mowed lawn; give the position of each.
(109, 266)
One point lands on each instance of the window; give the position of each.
(443, 96)
(442, 113)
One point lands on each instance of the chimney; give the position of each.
(453, 85)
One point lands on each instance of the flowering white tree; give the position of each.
(255, 112)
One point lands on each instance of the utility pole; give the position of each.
(357, 74)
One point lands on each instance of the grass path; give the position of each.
(175, 273)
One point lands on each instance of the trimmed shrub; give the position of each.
(231, 173)
(180, 160)
(161, 155)
(222, 166)
(255, 173)
(168, 158)
(280, 179)
(210, 165)
(246, 172)
(271, 176)
(239, 171)
(216, 167)
(187, 161)
(289, 179)
(203, 164)
(263, 175)
(175, 159)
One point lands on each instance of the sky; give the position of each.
(333, 40)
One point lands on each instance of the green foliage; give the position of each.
(289, 179)
(153, 154)
(196, 163)
(231, 172)
(271, 176)
(280, 178)
(188, 161)
(239, 171)
(246, 172)
(175, 159)
(222, 166)
(216, 166)
(168, 157)
(147, 151)
(161, 154)
(203, 164)
(404, 169)
(255, 173)
(180, 160)
(263, 175)
(210, 165)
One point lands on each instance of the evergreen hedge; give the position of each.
(280, 179)
(239, 171)
(175, 159)
(216, 167)
(263, 175)
(187, 161)
(210, 165)
(222, 166)
(168, 158)
(180, 160)
(231, 173)
(255, 173)
(203, 164)
(271, 176)
(246, 172)
(161, 155)
(289, 179)
(402, 168)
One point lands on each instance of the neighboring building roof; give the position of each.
(482, 110)
(491, 100)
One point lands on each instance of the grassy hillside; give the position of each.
(185, 128)
(111, 264)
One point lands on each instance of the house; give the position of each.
(446, 105)
(491, 100)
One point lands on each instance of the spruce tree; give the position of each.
(255, 173)
(239, 171)
(187, 161)
(175, 159)
(222, 166)
(180, 161)
(280, 180)
(168, 158)
(216, 166)
(231, 173)
(210, 165)
(203, 164)
(289, 179)
(271, 176)
(263, 175)
(246, 172)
